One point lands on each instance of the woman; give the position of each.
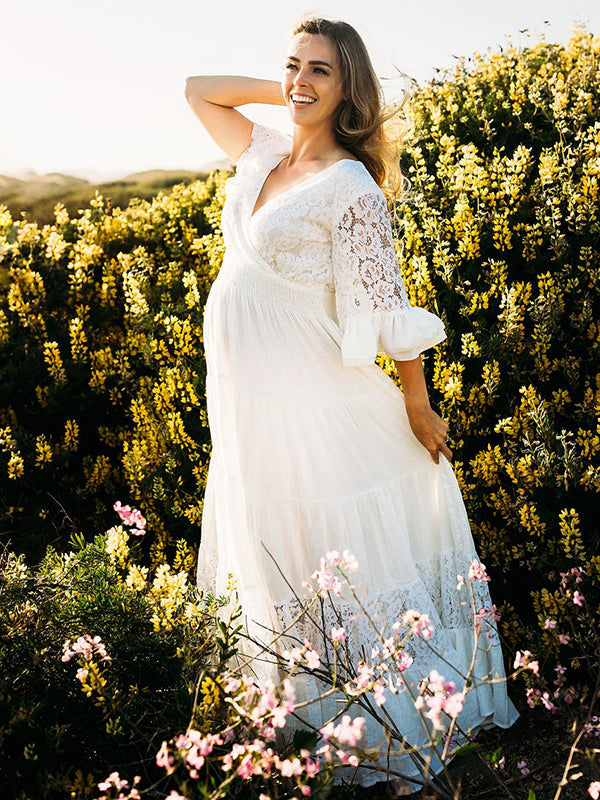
(314, 447)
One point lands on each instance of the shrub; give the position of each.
(500, 236)
(63, 729)
(102, 375)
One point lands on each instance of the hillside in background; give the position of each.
(37, 195)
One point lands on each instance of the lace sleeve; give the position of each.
(266, 144)
(373, 308)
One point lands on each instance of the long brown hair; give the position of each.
(360, 125)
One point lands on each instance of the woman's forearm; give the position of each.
(429, 428)
(231, 91)
(413, 382)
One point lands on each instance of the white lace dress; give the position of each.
(312, 448)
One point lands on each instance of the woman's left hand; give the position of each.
(429, 428)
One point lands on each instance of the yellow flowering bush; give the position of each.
(500, 232)
(101, 366)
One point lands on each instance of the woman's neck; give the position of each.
(313, 145)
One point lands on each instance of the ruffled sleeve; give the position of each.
(373, 308)
(267, 146)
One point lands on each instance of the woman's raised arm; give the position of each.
(213, 99)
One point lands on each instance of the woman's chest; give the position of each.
(291, 232)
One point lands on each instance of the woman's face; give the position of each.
(312, 83)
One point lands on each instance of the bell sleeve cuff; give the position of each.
(400, 335)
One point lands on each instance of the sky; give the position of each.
(96, 89)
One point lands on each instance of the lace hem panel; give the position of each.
(434, 593)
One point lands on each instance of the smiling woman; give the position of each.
(314, 447)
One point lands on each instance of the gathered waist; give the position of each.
(262, 282)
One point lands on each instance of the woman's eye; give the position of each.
(321, 70)
(290, 66)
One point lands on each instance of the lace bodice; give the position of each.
(330, 230)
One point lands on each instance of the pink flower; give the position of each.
(328, 582)
(85, 646)
(231, 685)
(338, 634)
(522, 767)
(477, 571)
(312, 659)
(165, 759)
(289, 767)
(131, 517)
(564, 638)
(379, 693)
(594, 790)
(349, 730)
(418, 623)
(440, 698)
(279, 717)
(293, 656)
(349, 562)
(460, 582)
(578, 598)
(549, 624)
(535, 697)
(525, 659)
(82, 674)
(453, 704)
(311, 768)
(361, 681)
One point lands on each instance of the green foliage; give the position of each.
(500, 235)
(157, 634)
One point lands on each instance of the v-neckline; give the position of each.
(256, 211)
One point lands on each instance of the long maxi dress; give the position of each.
(312, 449)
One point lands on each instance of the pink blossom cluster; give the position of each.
(440, 698)
(535, 697)
(491, 614)
(114, 781)
(550, 625)
(85, 646)
(361, 682)
(325, 576)
(338, 635)
(348, 731)
(575, 572)
(193, 748)
(594, 790)
(526, 660)
(592, 726)
(262, 707)
(131, 517)
(260, 710)
(568, 694)
(306, 655)
(419, 624)
(246, 759)
(477, 571)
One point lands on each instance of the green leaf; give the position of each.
(305, 740)
(464, 749)
(531, 795)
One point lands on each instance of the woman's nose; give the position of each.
(300, 77)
